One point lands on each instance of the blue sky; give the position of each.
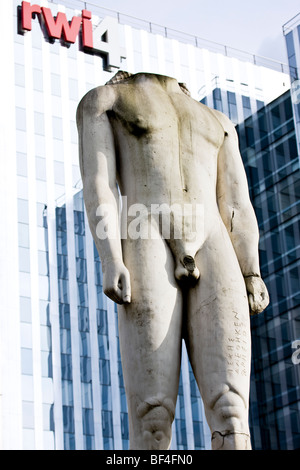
(253, 26)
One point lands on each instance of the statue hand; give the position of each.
(258, 295)
(116, 281)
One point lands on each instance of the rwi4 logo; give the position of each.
(102, 40)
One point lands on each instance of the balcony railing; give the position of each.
(291, 24)
(174, 34)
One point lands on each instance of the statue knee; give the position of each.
(157, 428)
(229, 412)
(229, 422)
(156, 418)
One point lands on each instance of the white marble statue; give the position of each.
(145, 135)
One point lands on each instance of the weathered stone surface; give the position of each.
(183, 258)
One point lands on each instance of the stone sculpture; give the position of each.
(145, 135)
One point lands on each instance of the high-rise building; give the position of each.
(291, 31)
(268, 145)
(269, 149)
(61, 378)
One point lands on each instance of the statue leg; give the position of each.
(219, 345)
(150, 343)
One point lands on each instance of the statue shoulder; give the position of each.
(97, 101)
(101, 99)
(225, 122)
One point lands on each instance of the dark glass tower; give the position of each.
(269, 149)
(291, 31)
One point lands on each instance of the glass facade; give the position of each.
(231, 102)
(291, 31)
(62, 385)
(269, 150)
(112, 402)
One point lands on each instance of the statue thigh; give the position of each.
(150, 342)
(218, 338)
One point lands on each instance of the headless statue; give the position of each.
(145, 135)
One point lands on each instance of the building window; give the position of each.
(87, 395)
(62, 266)
(276, 117)
(102, 326)
(291, 55)
(19, 75)
(124, 426)
(21, 164)
(85, 349)
(246, 106)
(88, 422)
(106, 399)
(259, 104)
(20, 119)
(26, 361)
(25, 309)
(232, 107)
(98, 273)
(83, 319)
(104, 368)
(28, 414)
(63, 291)
(68, 419)
(67, 393)
(249, 136)
(73, 89)
(59, 173)
(180, 418)
(57, 128)
(40, 168)
(79, 222)
(107, 427)
(217, 97)
(69, 441)
(39, 125)
(66, 366)
(23, 214)
(82, 294)
(290, 44)
(55, 85)
(81, 270)
(37, 80)
(24, 260)
(64, 316)
(80, 246)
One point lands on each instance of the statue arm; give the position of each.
(238, 215)
(98, 170)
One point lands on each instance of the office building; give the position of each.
(268, 146)
(61, 379)
(291, 31)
